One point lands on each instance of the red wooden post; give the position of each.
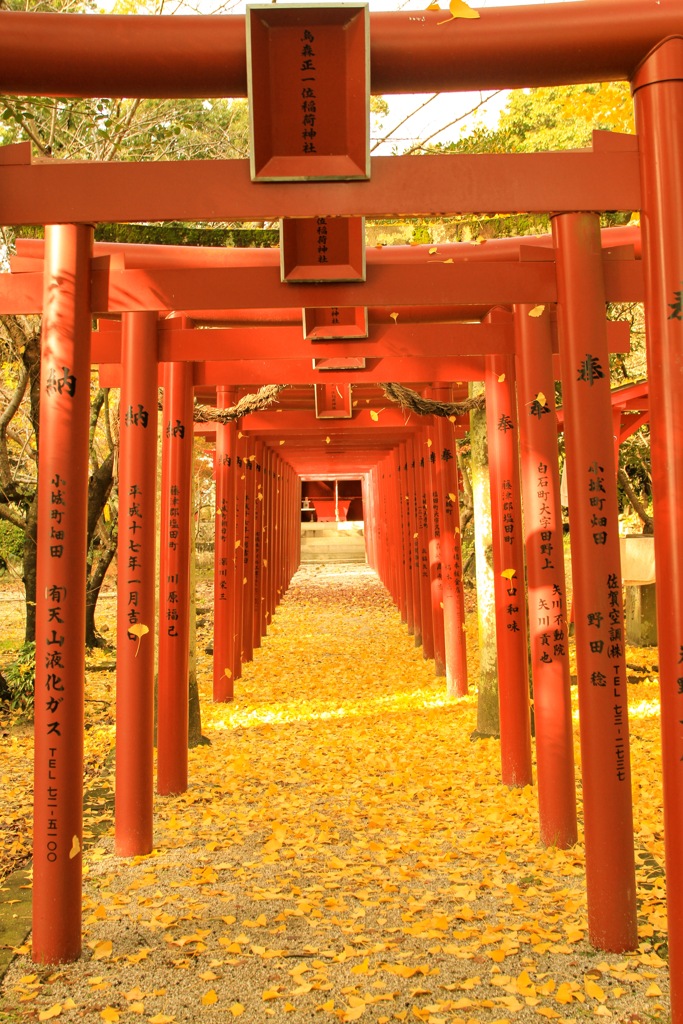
(394, 549)
(266, 560)
(174, 584)
(508, 569)
(407, 543)
(224, 554)
(658, 96)
(248, 544)
(421, 476)
(136, 581)
(435, 525)
(369, 497)
(60, 594)
(413, 538)
(238, 552)
(545, 577)
(446, 468)
(259, 498)
(597, 591)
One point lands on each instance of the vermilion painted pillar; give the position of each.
(259, 498)
(508, 570)
(136, 585)
(224, 554)
(435, 513)
(238, 553)
(446, 471)
(174, 583)
(414, 538)
(371, 529)
(277, 530)
(266, 560)
(248, 549)
(421, 482)
(394, 549)
(548, 630)
(406, 534)
(658, 97)
(60, 594)
(597, 590)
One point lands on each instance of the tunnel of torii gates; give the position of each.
(430, 319)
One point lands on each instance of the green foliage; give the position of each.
(551, 118)
(11, 542)
(21, 678)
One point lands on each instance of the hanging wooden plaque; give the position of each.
(308, 80)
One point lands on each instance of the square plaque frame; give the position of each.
(308, 81)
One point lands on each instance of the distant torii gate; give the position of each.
(206, 56)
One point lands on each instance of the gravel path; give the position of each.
(346, 853)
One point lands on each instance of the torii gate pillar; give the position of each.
(60, 594)
(600, 654)
(658, 97)
(136, 590)
(174, 584)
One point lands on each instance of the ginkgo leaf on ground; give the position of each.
(54, 1011)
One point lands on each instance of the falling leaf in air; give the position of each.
(508, 574)
(282, 442)
(540, 398)
(452, 496)
(75, 848)
(501, 378)
(138, 629)
(429, 442)
(459, 9)
(434, 249)
(328, 439)
(394, 316)
(536, 311)
(374, 415)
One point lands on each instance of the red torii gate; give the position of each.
(567, 44)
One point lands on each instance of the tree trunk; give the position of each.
(97, 570)
(101, 545)
(488, 720)
(30, 560)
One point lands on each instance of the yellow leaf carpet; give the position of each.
(345, 852)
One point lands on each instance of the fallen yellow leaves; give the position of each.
(344, 844)
(54, 1011)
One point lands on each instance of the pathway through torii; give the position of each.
(567, 44)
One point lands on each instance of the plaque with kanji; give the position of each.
(332, 323)
(333, 402)
(315, 249)
(308, 80)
